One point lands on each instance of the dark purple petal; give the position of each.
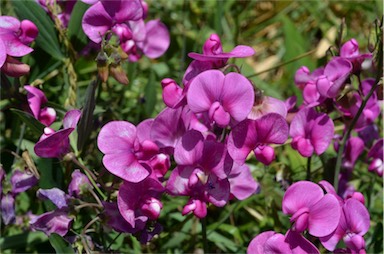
(55, 145)
(299, 244)
(122, 11)
(218, 191)
(22, 181)
(194, 69)
(35, 99)
(242, 140)
(272, 129)
(57, 196)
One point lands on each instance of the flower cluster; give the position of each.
(325, 215)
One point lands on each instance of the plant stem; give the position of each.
(309, 168)
(282, 64)
(204, 234)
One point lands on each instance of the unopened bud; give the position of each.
(118, 73)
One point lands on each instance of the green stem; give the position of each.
(347, 134)
(282, 64)
(309, 168)
(204, 234)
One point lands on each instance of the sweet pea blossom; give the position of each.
(8, 208)
(375, 157)
(22, 181)
(36, 99)
(311, 209)
(335, 74)
(14, 39)
(272, 242)
(311, 132)
(354, 223)
(306, 81)
(256, 135)
(79, 184)
(350, 51)
(225, 98)
(213, 57)
(124, 152)
(56, 144)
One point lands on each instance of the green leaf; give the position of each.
(24, 239)
(59, 244)
(32, 122)
(75, 30)
(47, 38)
(150, 95)
(85, 125)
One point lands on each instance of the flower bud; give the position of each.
(118, 73)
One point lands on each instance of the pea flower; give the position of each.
(375, 157)
(272, 242)
(225, 98)
(14, 39)
(36, 99)
(311, 132)
(350, 51)
(311, 209)
(354, 223)
(55, 144)
(79, 184)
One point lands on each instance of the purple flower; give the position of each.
(306, 81)
(56, 221)
(116, 220)
(124, 151)
(256, 135)
(353, 148)
(354, 223)
(173, 94)
(311, 209)
(56, 144)
(335, 74)
(57, 196)
(8, 208)
(22, 181)
(79, 184)
(224, 98)
(36, 98)
(139, 202)
(350, 51)
(311, 132)
(272, 242)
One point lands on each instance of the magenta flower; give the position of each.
(311, 209)
(256, 135)
(306, 81)
(353, 149)
(272, 242)
(225, 98)
(335, 74)
(56, 144)
(350, 51)
(311, 132)
(14, 38)
(354, 223)
(124, 152)
(36, 98)
(140, 202)
(173, 94)
(213, 57)
(116, 221)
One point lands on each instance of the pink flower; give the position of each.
(311, 132)
(311, 209)
(14, 38)
(125, 152)
(225, 98)
(335, 74)
(272, 242)
(36, 98)
(56, 144)
(256, 135)
(350, 51)
(354, 223)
